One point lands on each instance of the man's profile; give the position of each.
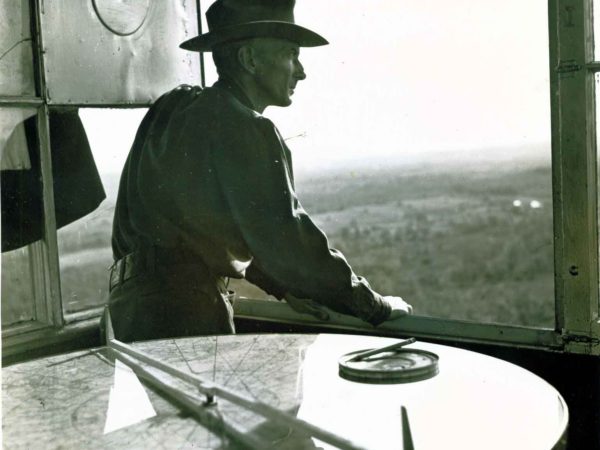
(207, 193)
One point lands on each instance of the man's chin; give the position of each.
(283, 103)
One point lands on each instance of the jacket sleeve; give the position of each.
(256, 182)
(260, 278)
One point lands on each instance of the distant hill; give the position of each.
(468, 241)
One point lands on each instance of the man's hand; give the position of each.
(399, 307)
(307, 306)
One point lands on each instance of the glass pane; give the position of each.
(84, 246)
(22, 222)
(128, 39)
(596, 12)
(18, 303)
(16, 57)
(421, 143)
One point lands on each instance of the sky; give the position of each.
(402, 81)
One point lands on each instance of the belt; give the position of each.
(147, 260)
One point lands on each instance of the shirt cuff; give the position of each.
(367, 304)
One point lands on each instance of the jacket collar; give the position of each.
(231, 86)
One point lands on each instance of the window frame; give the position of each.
(575, 213)
(43, 254)
(575, 181)
(575, 197)
(575, 185)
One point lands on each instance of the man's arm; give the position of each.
(307, 306)
(256, 182)
(259, 278)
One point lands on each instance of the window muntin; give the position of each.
(84, 246)
(596, 28)
(425, 153)
(597, 95)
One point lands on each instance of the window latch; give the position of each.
(568, 67)
(581, 339)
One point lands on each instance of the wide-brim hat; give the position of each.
(234, 20)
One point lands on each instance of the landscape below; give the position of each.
(463, 242)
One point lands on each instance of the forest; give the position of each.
(469, 242)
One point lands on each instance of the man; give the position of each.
(208, 193)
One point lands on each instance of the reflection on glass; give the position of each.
(84, 246)
(421, 143)
(16, 57)
(17, 287)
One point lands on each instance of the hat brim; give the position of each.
(274, 29)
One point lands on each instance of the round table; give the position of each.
(86, 400)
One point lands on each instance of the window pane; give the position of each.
(117, 51)
(22, 212)
(421, 143)
(18, 303)
(596, 13)
(16, 57)
(84, 246)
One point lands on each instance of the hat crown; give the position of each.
(226, 13)
(235, 20)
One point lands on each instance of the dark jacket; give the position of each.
(77, 186)
(208, 173)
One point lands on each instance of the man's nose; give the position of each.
(299, 73)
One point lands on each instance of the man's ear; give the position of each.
(247, 59)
